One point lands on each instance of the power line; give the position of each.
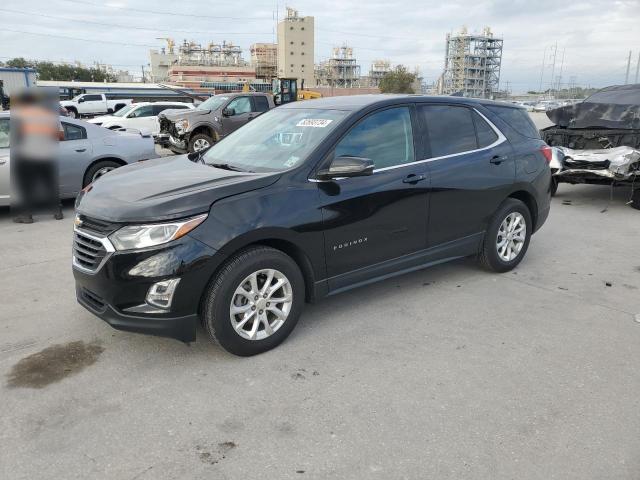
(161, 12)
(126, 44)
(128, 27)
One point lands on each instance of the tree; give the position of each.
(52, 71)
(398, 80)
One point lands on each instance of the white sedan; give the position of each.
(141, 116)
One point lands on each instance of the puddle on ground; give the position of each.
(53, 364)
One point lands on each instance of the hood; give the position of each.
(175, 115)
(616, 107)
(164, 189)
(100, 119)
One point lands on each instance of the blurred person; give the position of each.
(35, 132)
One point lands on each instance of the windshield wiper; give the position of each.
(226, 166)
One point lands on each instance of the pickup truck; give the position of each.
(215, 118)
(88, 104)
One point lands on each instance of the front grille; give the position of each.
(97, 226)
(94, 300)
(88, 253)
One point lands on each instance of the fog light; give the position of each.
(160, 294)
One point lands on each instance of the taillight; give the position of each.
(547, 152)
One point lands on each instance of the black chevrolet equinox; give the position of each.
(308, 200)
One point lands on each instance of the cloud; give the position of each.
(595, 35)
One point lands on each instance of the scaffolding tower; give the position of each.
(472, 64)
(264, 59)
(341, 70)
(379, 68)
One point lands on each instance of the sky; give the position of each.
(594, 36)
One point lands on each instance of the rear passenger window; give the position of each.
(518, 119)
(261, 104)
(486, 134)
(384, 137)
(450, 129)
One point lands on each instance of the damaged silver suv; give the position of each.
(598, 140)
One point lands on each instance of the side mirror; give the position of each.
(229, 112)
(80, 100)
(345, 166)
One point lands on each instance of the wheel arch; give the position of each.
(530, 201)
(207, 130)
(278, 241)
(101, 159)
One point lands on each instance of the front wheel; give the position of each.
(73, 113)
(254, 302)
(199, 142)
(507, 238)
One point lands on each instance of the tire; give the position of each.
(114, 127)
(73, 113)
(554, 186)
(222, 295)
(97, 170)
(200, 139)
(492, 256)
(635, 199)
(109, 111)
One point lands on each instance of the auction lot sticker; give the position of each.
(314, 122)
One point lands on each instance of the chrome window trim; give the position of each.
(501, 139)
(105, 243)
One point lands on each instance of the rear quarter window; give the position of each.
(517, 118)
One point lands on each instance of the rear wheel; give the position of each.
(255, 301)
(198, 142)
(98, 170)
(507, 238)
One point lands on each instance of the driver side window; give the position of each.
(240, 105)
(384, 137)
(146, 111)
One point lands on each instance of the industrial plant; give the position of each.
(472, 64)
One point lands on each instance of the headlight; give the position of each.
(143, 236)
(182, 125)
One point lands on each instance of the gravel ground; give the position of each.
(446, 373)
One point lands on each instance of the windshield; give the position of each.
(124, 110)
(212, 103)
(277, 140)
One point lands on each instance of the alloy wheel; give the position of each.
(261, 304)
(200, 144)
(511, 236)
(101, 172)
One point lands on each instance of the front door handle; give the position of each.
(413, 178)
(80, 150)
(498, 159)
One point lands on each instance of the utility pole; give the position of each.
(553, 66)
(544, 56)
(626, 78)
(561, 66)
(637, 68)
(143, 79)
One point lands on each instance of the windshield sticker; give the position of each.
(314, 122)
(291, 161)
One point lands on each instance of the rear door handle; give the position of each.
(413, 178)
(498, 159)
(81, 149)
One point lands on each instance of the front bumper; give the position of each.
(116, 292)
(181, 328)
(178, 145)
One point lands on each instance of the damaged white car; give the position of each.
(597, 141)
